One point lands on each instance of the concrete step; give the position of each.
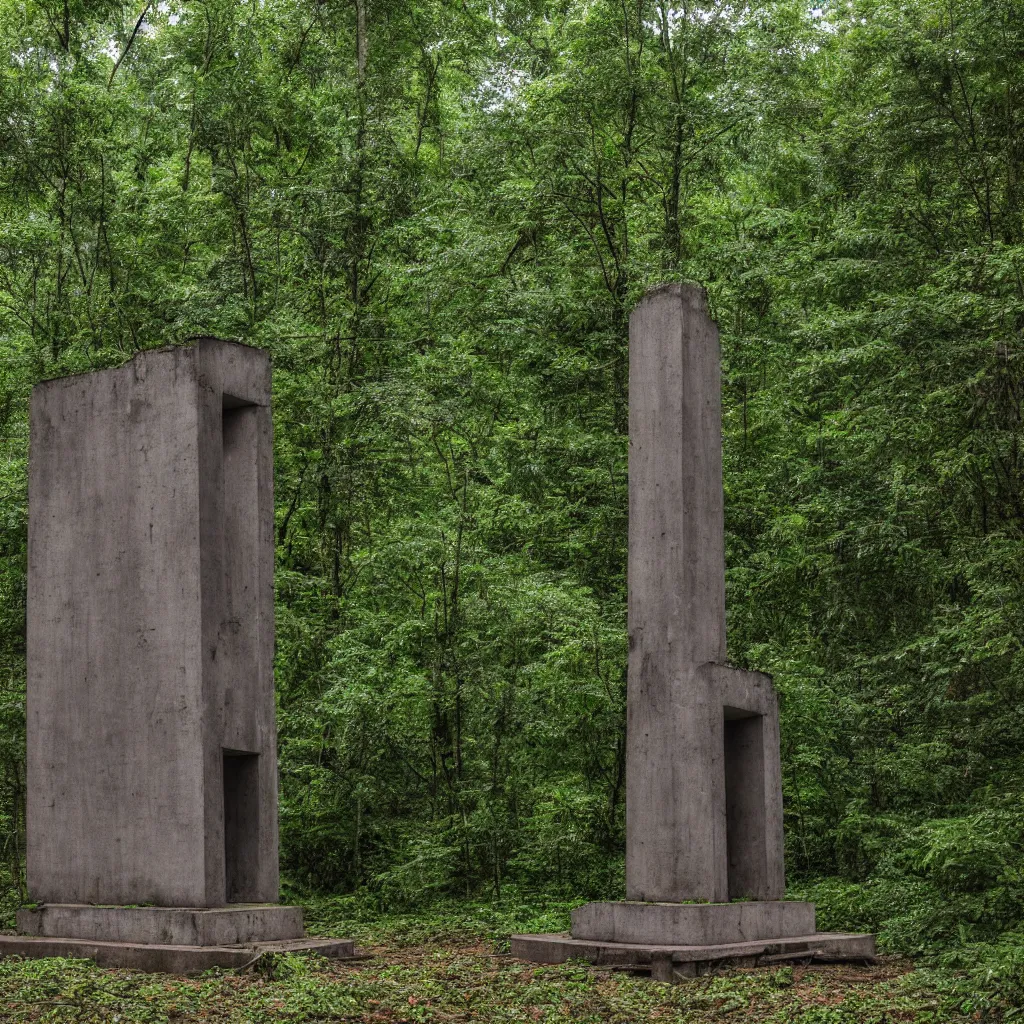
(170, 926)
(559, 947)
(692, 924)
(165, 959)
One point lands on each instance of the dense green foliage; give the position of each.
(437, 217)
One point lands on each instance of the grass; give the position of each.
(451, 965)
(462, 983)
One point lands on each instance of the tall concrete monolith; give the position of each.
(704, 836)
(152, 766)
(703, 785)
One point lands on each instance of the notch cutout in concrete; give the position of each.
(239, 452)
(240, 536)
(745, 803)
(241, 826)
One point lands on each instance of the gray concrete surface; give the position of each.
(692, 924)
(559, 947)
(150, 633)
(152, 755)
(703, 771)
(175, 926)
(166, 959)
(703, 778)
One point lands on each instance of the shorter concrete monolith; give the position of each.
(152, 759)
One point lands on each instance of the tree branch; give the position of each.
(131, 39)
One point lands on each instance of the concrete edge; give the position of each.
(692, 924)
(158, 959)
(676, 289)
(189, 341)
(559, 947)
(233, 925)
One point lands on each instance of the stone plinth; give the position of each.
(672, 962)
(176, 926)
(704, 842)
(177, 940)
(163, 958)
(692, 924)
(152, 753)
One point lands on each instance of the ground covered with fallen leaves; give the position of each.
(462, 983)
(450, 963)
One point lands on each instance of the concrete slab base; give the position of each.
(157, 958)
(169, 940)
(680, 940)
(674, 962)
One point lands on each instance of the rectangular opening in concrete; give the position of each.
(241, 826)
(241, 537)
(240, 533)
(745, 803)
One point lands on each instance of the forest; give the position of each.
(437, 216)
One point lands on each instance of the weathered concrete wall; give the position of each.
(115, 773)
(150, 627)
(680, 817)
